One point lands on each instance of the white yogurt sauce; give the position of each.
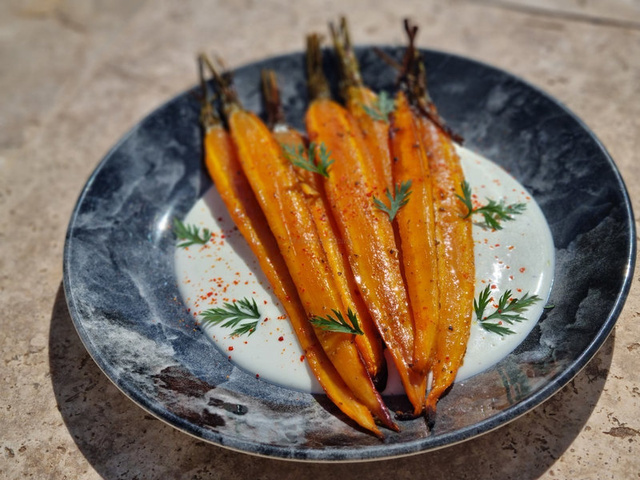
(520, 258)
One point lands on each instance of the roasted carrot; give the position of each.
(456, 267)
(416, 230)
(367, 232)
(454, 241)
(369, 343)
(224, 168)
(275, 185)
(363, 104)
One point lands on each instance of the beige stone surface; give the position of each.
(77, 74)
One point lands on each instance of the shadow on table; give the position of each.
(120, 440)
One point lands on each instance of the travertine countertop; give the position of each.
(77, 74)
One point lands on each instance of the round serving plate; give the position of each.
(122, 290)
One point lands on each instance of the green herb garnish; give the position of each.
(318, 161)
(509, 310)
(493, 212)
(190, 234)
(397, 201)
(233, 314)
(338, 324)
(381, 108)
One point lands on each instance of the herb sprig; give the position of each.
(493, 212)
(509, 310)
(396, 201)
(338, 324)
(190, 234)
(318, 161)
(233, 314)
(381, 108)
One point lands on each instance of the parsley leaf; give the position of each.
(190, 234)
(233, 314)
(381, 108)
(338, 324)
(318, 161)
(493, 212)
(509, 310)
(396, 201)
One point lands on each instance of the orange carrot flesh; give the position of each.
(359, 98)
(375, 133)
(225, 170)
(416, 228)
(368, 236)
(456, 267)
(275, 185)
(369, 344)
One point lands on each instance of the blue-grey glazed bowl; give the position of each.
(122, 292)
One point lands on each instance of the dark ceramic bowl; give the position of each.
(121, 287)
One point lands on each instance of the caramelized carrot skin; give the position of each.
(456, 267)
(275, 184)
(370, 344)
(368, 236)
(375, 134)
(224, 168)
(416, 228)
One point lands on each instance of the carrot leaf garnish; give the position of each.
(381, 108)
(493, 212)
(338, 324)
(189, 234)
(396, 201)
(234, 315)
(318, 161)
(509, 310)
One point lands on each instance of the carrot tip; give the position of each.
(430, 416)
(380, 379)
(404, 416)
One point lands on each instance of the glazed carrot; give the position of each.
(456, 267)
(369, 344)
(416, 229)
(362, 103)
(274, 182)
(224, 168)
(367, 231)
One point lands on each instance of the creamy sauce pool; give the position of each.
(520, 258)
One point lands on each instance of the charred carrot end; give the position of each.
(414, 78)
(316, 81)
(347, 61)
(416, 228)
(333, 385)
(271, 97)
